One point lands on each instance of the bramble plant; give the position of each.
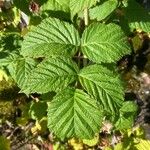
(74, 56)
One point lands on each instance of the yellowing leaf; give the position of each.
(143, 145)
(3, 75)
(36, 128)
(91, 142)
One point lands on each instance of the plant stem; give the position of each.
(86, 22)
(86, 16)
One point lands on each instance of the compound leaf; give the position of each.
(51, 37)
(73, 113)
(104, 85)
(52, 74)
(103, 10)
(104, 43)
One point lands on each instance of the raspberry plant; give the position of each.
(77, 61)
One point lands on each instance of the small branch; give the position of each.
(86, 16)
(79, 57)
(86, 22)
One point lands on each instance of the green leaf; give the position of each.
(23, 70)
(47, 97)
(104, 43)
(127, 114)
(73, 113)
(4, 143)
(77, 6)
(10, 40)
(51, 37)
(38, 110)
(124, 122)
(103, 10)
(137, 17)
(8, 58)
(56, 5)
(128, 107)
(52, 74)
(3, 75)
(22, 5)
(10, 61)
(65, 3)
(104, 85)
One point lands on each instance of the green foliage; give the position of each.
(133, 140)
(9, 58)
(103, 10)
(52, 74)
(51, 37)
(75, 61)
(137, 17)
(128, 107)
(4, 143)
(101, 40)
(91, 142)
(37, 110)
(81, 114)
(104, 85)
(22, 6)
(23, 68)
(56, 5)
(127, 113)
(143, 144)
(9, 42)
(77, 6)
